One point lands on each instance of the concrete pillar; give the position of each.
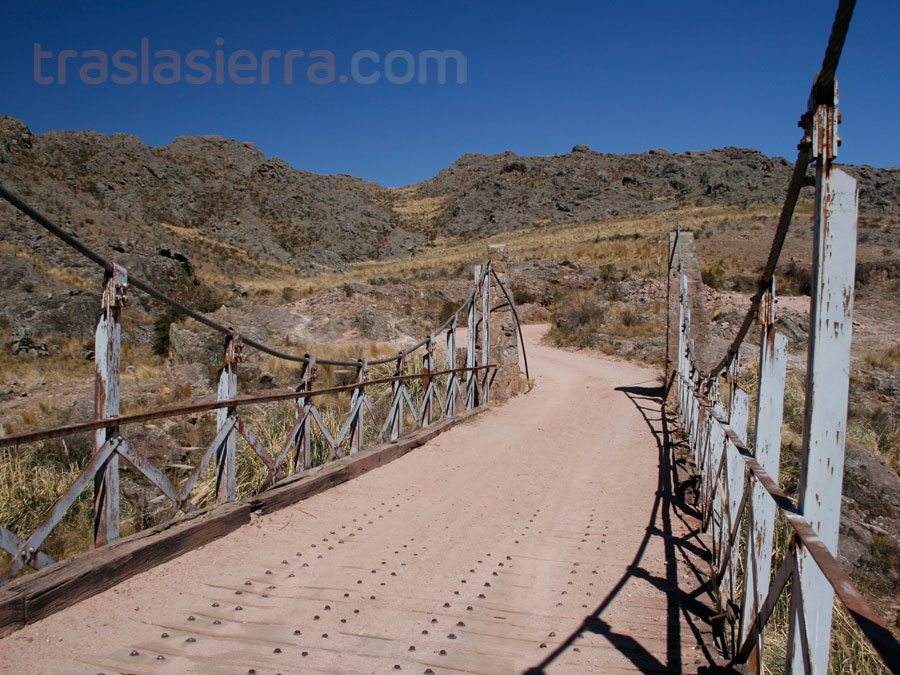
(504, 348)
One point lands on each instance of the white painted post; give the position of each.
(225, 453)
(716, 455)
(767, 451)
(827, 385)
(358, 435)
(107, 363)
(451, 365)
(397, 399)
(718, 467)
(734, 480)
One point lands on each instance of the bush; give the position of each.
(577, 320)
(161, 331)
(522, 296)
(711, 278)
(290, 294)
(630, 318)
(798, 279)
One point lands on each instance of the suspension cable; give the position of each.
(138, 283)
(823, 84)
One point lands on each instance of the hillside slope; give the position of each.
(197, 214)
(206, 188)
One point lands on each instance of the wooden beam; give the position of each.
(39, 595)
(12, 612)
(59, 586)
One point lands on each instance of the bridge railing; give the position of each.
(443, 391)
(739, 491)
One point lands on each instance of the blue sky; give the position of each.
(540, 77)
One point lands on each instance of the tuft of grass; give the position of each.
(585, 318)
(882, 439)
(887, 359)
(578, 320)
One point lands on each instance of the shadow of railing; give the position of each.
(679, 550)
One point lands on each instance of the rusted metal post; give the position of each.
(767, 451)
(486, 334)
(397, 399)
(734, 485)
(303, 458)
(428, 391)
(733, 375)
(715, 466)
(827, 386)
(225, 453)
(452, 379)
(472, 332)
(107, 363)
(358, 403)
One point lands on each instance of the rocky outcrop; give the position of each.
(224, 200)
(489, 194)
(869, 540)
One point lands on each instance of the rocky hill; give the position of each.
(222, 206)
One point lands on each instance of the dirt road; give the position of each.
(535, 537)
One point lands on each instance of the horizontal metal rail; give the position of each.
(738, 486)
(206, 406)
(865, 617)
(310, 440)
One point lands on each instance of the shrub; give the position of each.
(161, 331)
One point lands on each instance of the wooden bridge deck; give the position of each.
(539, 537)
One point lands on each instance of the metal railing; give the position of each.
(443, 392)
(739, 489)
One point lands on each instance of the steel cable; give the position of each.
(515, 314)
(822, 92)
(109, 266)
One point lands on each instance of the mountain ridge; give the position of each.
(227, 208)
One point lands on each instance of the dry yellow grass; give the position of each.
(66, 363)
(63, 275)
(888, 359)
(636, 242)
(417, 210)
(209, 270)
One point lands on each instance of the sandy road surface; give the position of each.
(519, 541)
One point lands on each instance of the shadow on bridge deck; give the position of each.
(684, 607)
(541, 537)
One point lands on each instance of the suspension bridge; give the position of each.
(502, 531)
